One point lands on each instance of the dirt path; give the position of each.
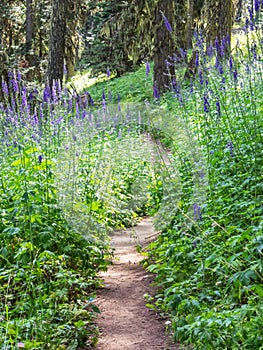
(125, 322)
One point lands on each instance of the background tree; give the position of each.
(118, 34)
(76, 12)
(218, 20)
(29, 26)
(57, 42)
(169, 40)
(164, 45)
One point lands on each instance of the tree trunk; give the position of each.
(57, 42)
(239, 11)
(29, 26)
(218, 16)
(189, 24)
(72, 13)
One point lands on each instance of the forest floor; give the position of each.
(125, 322)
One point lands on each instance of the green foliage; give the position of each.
(210, 273)
(53, 225)
(47, 271)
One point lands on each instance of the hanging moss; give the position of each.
(118, 35)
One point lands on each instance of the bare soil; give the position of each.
(125, 322)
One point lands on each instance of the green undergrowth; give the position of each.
(71, 174)
(67, 179)
(209, 267)
(210, 273)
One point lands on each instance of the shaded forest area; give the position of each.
(49, 39)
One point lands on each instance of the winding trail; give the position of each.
(125, 322)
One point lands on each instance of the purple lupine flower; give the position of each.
(46, 93)
(24, 97)
(40, 159)
(5, 87)
(206, 104)
(10, 74)
(77, 109)
(231, 148)
(54, 93)
(251, 13)
(257, 5)
(254, 49)
(194, 244)
(201, 78)
(200, 42)
(218, 108)
(156, 93)
(235, 75)
(104, 105)
(210, 51)
(217, 45)
(197, 212)
(202, 174)
(197, 59)
(18, 76)
(182, 53)
(222, 48)
(147, 69)
(108, 72)
(167, 24)
(103, 95)
(84, 113)
(70, 104)
(31, 95)
(59, 120)
(35, 122)
(13, 103)
(220, 69)
(66, 93)
(230, 61)
(119, 102)
(15, 85)
(196, 34)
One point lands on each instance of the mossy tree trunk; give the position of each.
(170, 36)
(189, 24)
(57, 42)
(218, 16)
(29, 27)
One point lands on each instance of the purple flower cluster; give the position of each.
(197, 212)
(167, 23)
